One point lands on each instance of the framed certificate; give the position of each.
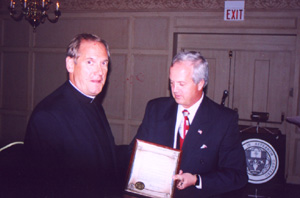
(151, 169)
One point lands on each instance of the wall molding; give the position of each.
(171, 5)
(166, 5)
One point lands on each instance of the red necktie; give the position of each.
(186, 126)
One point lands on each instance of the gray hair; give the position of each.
(199, 63)
(73, 47)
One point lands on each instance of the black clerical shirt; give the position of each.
(71, 147)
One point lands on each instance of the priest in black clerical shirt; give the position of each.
(68, 139)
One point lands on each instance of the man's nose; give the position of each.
(99, 69)
(175, 87)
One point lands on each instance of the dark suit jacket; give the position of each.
(71, 147)
(222, 164)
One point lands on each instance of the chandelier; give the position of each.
(34, 11)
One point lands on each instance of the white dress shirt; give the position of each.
(192, 112)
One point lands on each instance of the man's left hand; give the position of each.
(184, 180)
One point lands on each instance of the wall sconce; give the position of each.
(34, 11)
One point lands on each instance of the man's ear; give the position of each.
(200, 85)
(70, 64)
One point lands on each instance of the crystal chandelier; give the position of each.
(34, 11)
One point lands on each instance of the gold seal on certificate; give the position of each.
(139, 185)
(151, 169)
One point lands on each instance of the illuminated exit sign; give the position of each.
(234, 10)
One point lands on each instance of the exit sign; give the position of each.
(234, 10)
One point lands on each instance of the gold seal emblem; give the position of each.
(139, 185)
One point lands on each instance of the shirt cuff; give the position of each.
(200, 182)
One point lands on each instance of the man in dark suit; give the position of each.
(68, 138)
(213, 160)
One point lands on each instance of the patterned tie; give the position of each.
(186, 126)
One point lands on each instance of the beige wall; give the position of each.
(142, 44)
(33, 66)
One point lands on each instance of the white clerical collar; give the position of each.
(92, 97)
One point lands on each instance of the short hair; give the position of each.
(74, 45)
(199, 63)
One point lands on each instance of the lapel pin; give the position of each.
(203, 146)
(200, 131)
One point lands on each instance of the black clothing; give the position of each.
(71, 146)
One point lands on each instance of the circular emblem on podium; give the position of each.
(262, 160)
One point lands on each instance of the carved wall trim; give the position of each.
(172, 5)
(166, 5)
